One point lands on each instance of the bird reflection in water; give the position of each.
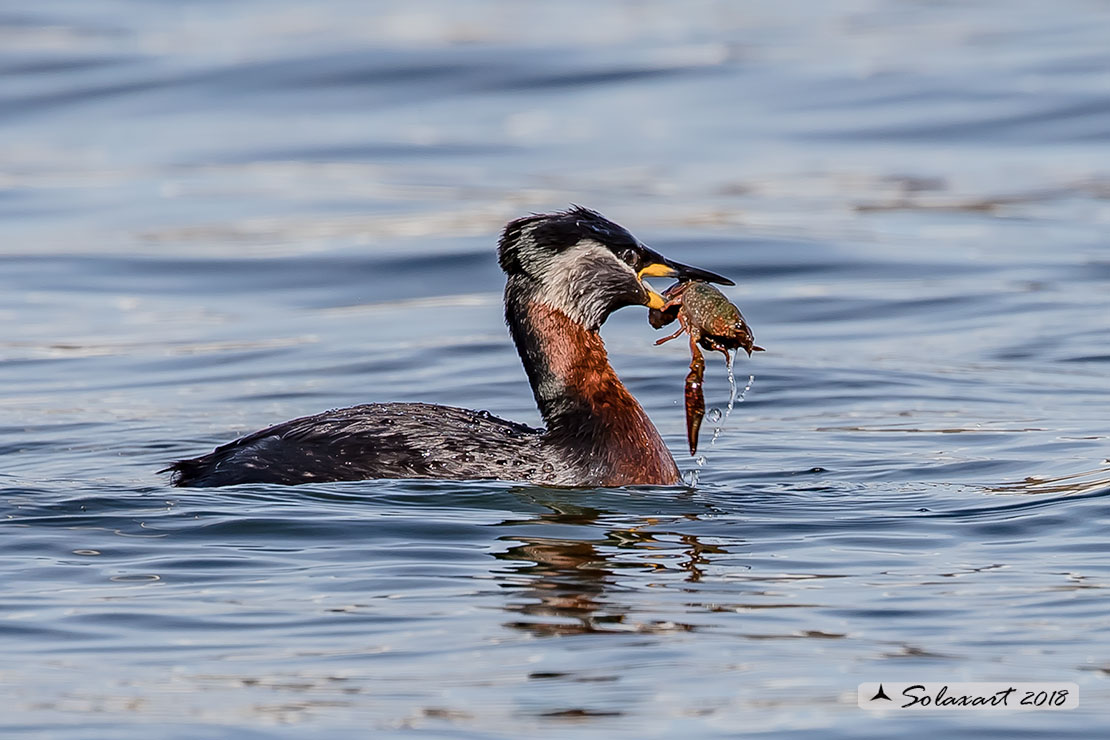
(569, 585)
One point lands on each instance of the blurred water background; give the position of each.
(218, 215)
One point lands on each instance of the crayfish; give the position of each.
(712, 322)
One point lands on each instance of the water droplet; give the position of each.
(690, 478)
(747, 387)
(731, 384)
(700, 460)
(714, 415)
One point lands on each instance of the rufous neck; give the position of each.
(584, 404)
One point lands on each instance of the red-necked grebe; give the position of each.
(566, 272)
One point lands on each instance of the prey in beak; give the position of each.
(713, 323)
(653, 264)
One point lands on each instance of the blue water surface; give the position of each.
(217, 216)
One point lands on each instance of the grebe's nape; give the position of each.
(566, 272)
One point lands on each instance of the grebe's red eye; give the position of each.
(630, 256)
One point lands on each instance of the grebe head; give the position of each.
(584, 265)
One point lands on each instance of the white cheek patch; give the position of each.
(571, 283)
